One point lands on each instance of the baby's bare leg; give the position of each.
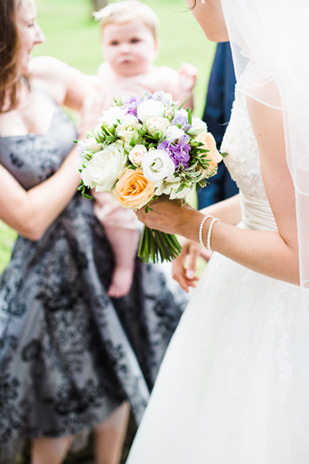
(124, 244)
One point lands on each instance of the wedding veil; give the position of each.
(274, 35)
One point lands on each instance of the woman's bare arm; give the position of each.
(31, 212)
(274, 254)
(67, 85)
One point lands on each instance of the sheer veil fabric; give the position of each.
(274, 35)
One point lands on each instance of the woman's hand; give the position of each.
(171, 217)
(184, 266)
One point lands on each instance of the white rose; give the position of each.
(150, 108)
(198, 126)
(93, 145)
(169, 186)
(156, 124)
(127, 128)
(157, 165)
(173, 133)
(110, 117)
(137, 154)
(104, 168)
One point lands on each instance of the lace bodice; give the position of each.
(244, 166)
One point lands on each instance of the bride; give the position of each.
(233, 387)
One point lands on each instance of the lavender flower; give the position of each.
(181, 120)
(131, 103)
(163, 97)
(179, 153)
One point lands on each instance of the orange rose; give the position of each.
(133, 190)
(213, 156)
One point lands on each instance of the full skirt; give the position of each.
(234, 384)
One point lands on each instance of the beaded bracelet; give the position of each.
(211, 225)
(200, 233)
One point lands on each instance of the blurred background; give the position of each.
(72, 35)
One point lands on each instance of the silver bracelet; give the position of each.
(211, 225)
(200, 232)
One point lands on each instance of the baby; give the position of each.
(130, 44)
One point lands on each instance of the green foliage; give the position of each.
(7, 239)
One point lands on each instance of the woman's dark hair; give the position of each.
(9, 47)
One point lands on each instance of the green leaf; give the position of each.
(183, 103)
(189, 116)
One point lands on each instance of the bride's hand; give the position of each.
(166, 215)
(184, 266)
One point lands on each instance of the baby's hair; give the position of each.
(127, 11)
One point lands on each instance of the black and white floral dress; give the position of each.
(69, 355)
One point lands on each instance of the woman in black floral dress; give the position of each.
(69, 355)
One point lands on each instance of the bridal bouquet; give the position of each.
(145, 147)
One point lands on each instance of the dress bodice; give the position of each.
(32, 158)
(243, 164)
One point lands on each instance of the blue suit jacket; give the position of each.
(217, 112)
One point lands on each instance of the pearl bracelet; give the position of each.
(200, 233)
(211, 225)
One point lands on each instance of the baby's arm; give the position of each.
(187, 80)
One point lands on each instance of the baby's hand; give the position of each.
(187, 76)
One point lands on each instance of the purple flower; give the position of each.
(179, 153)
(131, 103)
(81, 147)
(181, 120)
(163, 97)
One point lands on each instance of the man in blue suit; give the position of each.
(220, 97)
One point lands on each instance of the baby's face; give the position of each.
(130, 49)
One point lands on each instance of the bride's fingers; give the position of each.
(179, 271)
(194, 253)
(161, 214)
(178, 266)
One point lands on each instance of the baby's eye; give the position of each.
(114, 42)
(135, 40)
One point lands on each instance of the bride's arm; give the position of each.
(274, 254)
(185, 265)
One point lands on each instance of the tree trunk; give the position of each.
(98, 4)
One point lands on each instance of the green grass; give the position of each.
(73, 36)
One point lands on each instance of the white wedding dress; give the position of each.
(234, 385)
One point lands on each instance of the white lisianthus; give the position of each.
(173, 133)
(137, 154)
(197, 127)
(157, 165)
(110, 117)
(127, 128)
(104, 168)
(93, 145)
(156, 124)
(169, 186)
(150, 108)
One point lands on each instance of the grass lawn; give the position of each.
(73, 36)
